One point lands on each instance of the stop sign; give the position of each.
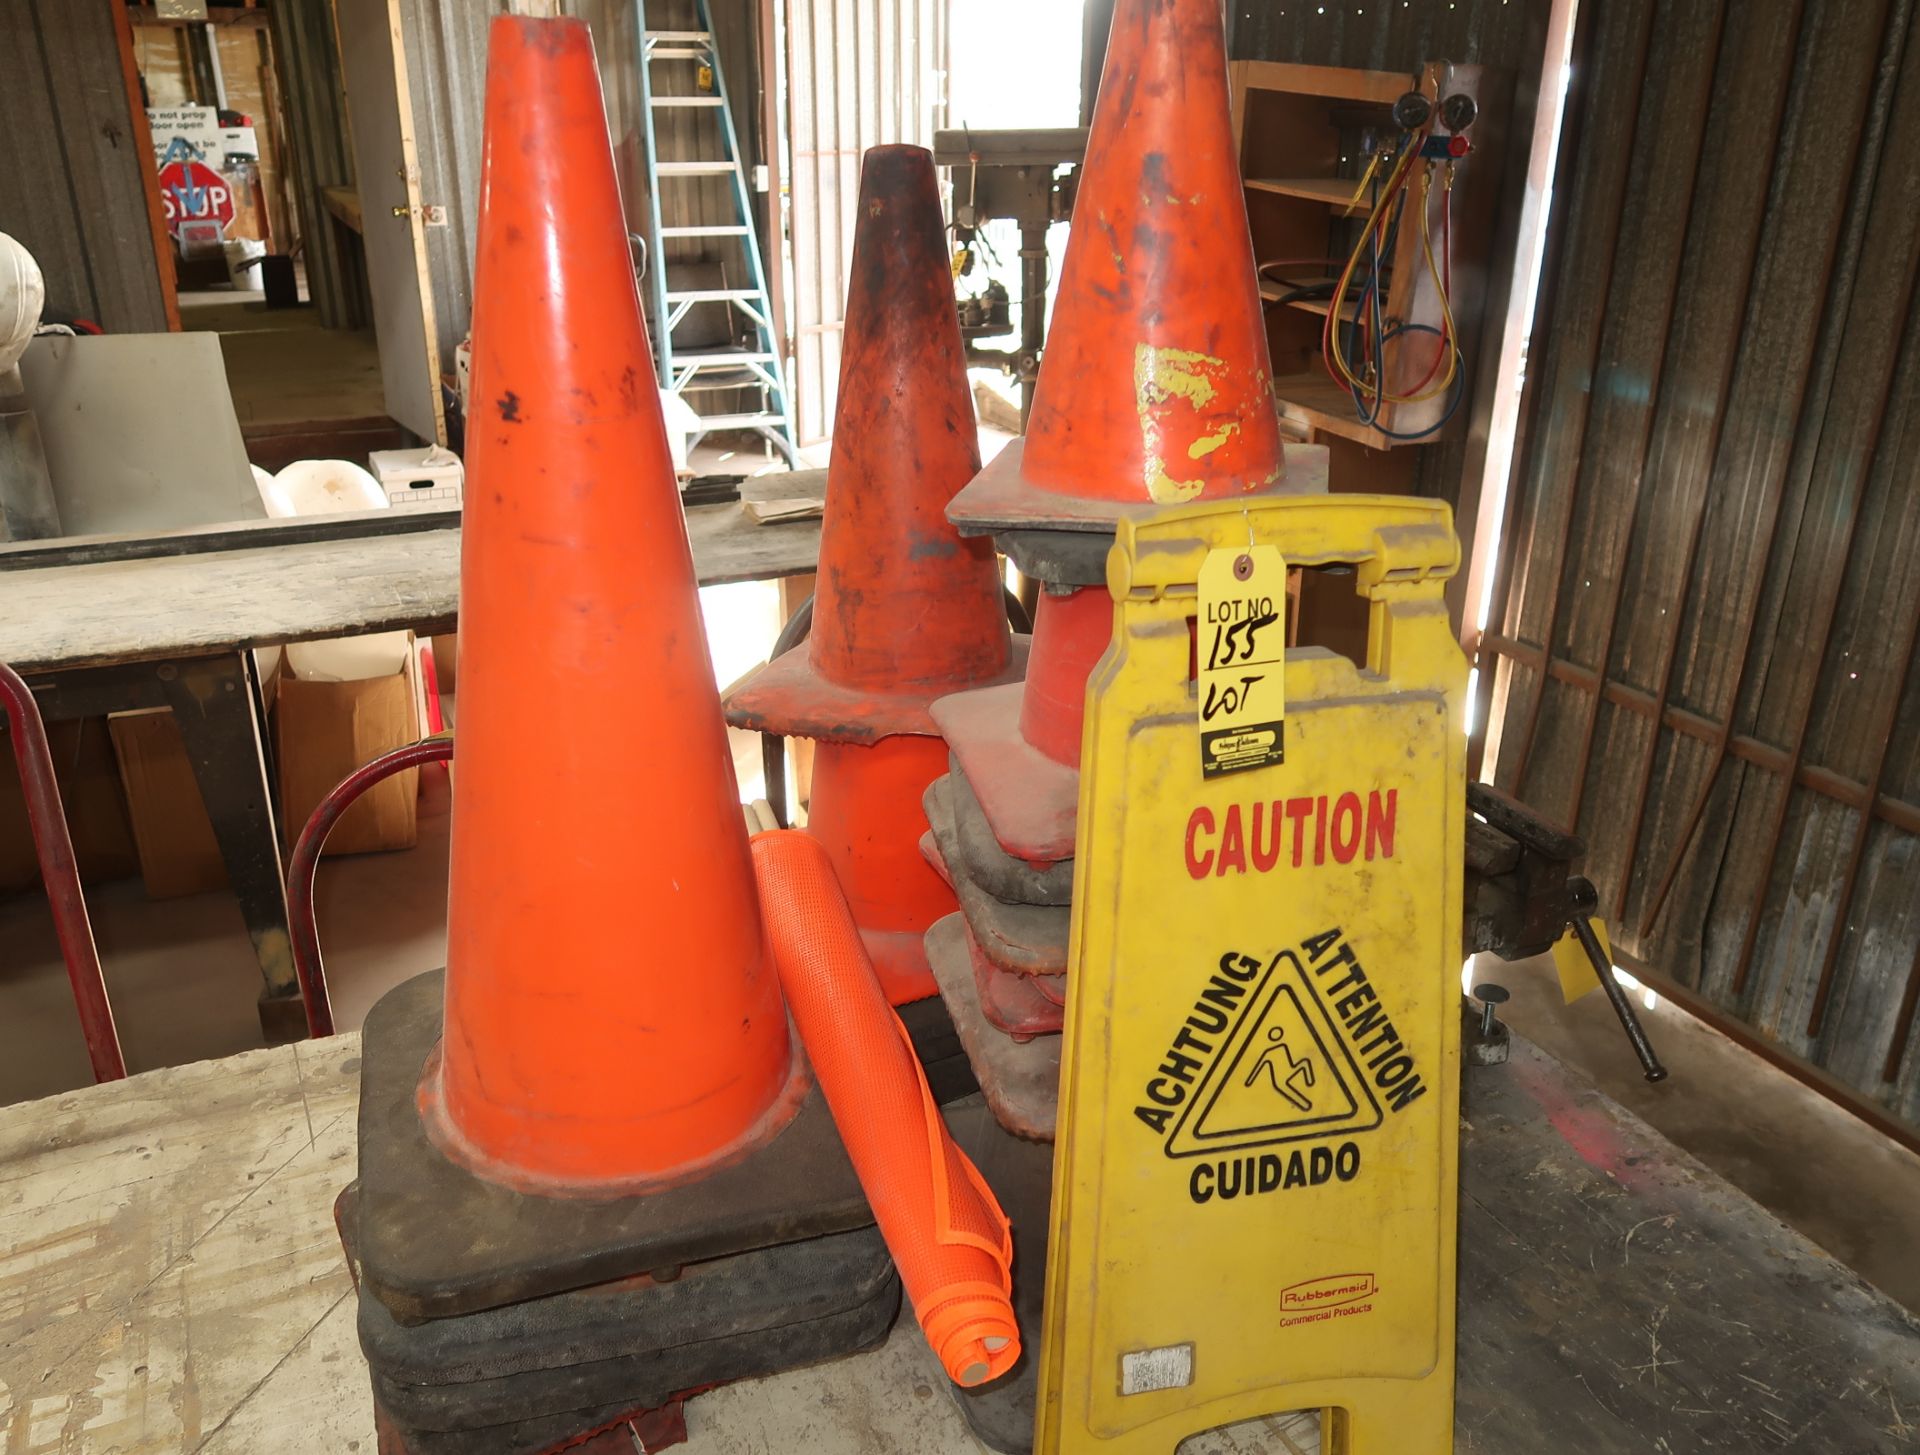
(194, 192)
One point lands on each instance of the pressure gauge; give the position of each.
(1458, 111)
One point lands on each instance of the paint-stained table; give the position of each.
(110, 624)
(170, 1282)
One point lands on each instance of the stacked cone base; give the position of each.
(538, 1376)
(1020, 1079)
(1018, 999)
(996, 871)
(660, 1428)
(1021, 938)
(1001, 964)
(497, 1322)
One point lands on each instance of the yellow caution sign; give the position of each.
(1258, 1152)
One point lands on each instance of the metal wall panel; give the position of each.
(319, 156)
(860, 73)
(76, 178)
(685, 134)
(446, 46)
(1710, 594)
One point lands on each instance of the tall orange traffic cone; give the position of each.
(1159, 387)
(1155, 387)
(906, 611)
(610, 1087)
(1154, 390)
(611, 1022)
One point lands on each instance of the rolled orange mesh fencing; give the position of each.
(941, 1221)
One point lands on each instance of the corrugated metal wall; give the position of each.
(684, 134)
(1711, 593)
(76, 179)
(859, 73)
(446, 45)
(319, 156)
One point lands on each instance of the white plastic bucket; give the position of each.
(239, 252)
(323, 487)
(330, 487)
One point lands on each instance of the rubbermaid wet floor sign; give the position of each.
(1254, 1199)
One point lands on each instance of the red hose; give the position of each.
(61, 873)
(302, 926)
(947, 1234)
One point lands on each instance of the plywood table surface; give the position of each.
(212, 602)
(170, 1281)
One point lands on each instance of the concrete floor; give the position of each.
(282, 366)
(1815, 1166)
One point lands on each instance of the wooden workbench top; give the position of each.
(200, 603)
(170, 1281)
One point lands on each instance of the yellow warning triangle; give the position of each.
(1283, 1074)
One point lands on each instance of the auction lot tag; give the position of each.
(1241, 649)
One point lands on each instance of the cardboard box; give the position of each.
(89, 790)
(325, 730)
(446, 662)
(414, 479)
(179, 854)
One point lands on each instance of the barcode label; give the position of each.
(1146, 1370)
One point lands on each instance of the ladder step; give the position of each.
(693, 169)
(687, 101)
(717, 359)
(742, 421)
(706, 231)
(678, 53)
(716, 295)
(690, 37)
(711, 383)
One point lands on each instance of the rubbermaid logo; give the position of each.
(1332, 1292)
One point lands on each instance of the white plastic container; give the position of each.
(324, 487)
(332, 487)
(23, 293)
(241, 251)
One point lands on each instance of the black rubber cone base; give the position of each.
(1021, 1080)
(1021, 1176)
(991, 867)
(434, 1241)
(1018, 937)
(937, 1045)
(543, 1374)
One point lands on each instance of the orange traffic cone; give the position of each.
(1155, 387)
(1154, 390)
(947, 1232)
(906, 611)
(611, 1022)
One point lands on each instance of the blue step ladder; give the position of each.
(750, 361)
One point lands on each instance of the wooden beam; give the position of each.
(1900, 812)
(246, 14)
(141, 137)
